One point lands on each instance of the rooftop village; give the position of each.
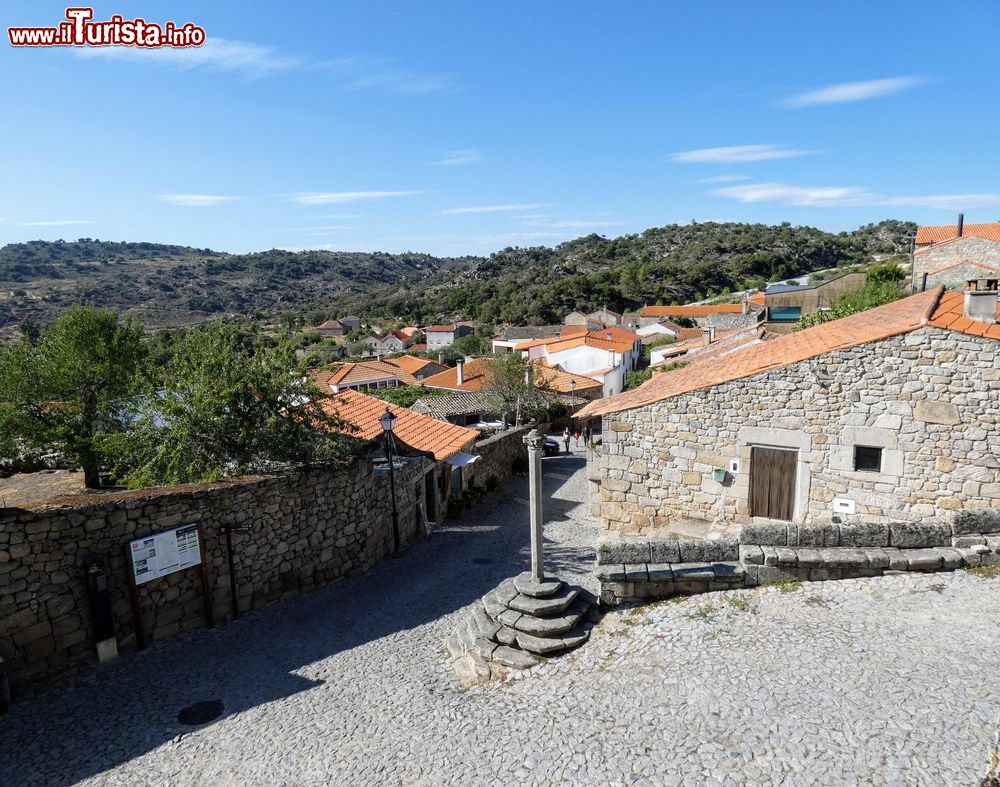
(727, 445)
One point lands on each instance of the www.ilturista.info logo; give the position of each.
(80, 30)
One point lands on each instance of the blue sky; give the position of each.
(462, 128)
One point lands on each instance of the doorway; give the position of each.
(430, 493)
(772, 483)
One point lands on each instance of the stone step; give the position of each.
(506, 635)
(547, 627)
(493, 606)
(455, 645)
(526, 585)
(487, 626)
(513, 658)
(543, 646)
(546, 605)
(472, 669)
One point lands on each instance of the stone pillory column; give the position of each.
(526, 616)
(534, 440)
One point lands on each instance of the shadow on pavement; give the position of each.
(73, 731)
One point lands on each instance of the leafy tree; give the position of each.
(514, 382)
(65, 390)
(462, 347)
(227, 407)
(881, 273)
(637, 378)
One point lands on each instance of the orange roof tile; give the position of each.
(357, 373)
(418, 431)
(562, 382)
(440, 328)
(950, 314)
(413, 364)
(757, 299)
(890, 320)
(474, 378)
(947, 232)
(572, 330)
(692, 311)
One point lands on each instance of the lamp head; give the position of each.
(388, 420)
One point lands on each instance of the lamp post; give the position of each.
(388, 421)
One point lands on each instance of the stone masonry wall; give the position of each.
(929, 399)
(498, 454)
(306, 528)
(938, 256)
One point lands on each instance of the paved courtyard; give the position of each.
(890, 680)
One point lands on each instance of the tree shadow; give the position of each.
(121, 711)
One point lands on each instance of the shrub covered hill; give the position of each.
(164, 285)
(676, 263)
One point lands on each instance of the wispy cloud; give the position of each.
(724, 179)
(385, 75)
(252, 61)
(853, 91)
(850, 196)
(196, 200)
(570, 224)
(496, 208)
(56, 223)
(255, 61)
(739, 154)
(458, 158)
(342, 197)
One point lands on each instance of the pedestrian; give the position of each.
(577, 436)
(566, 438)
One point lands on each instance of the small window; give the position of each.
(867, 459)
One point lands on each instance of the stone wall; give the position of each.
(928, 398)
(940, 255)
(498, 454)
(957, 276)
(305, 528)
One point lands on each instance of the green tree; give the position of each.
(227, 407)
(405, 395)
(462, 347)
(65, 390)
(518, 386)
(873, 294)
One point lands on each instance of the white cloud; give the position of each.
(196, 200)
(739, 154)
(571, 224)
(58, 223)
(853, 91)
(216, 54)
(457, 158)
(724, 179)
(254, 61)
(342, 197)
(850, 196)
(495, 208)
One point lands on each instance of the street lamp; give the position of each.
(388, 421)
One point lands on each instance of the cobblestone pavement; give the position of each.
(889, 680)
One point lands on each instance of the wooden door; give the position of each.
(772, 483)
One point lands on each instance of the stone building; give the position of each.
(441, 336)
(954, 262)
(887, 415)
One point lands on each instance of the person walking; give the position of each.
(566, 438)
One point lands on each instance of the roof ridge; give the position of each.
(934, 305)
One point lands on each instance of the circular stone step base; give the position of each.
(527, 585)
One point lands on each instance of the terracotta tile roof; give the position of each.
(561, 382)
(890, 320)
(945, 232)
(572, 330)
(949, 314)
(362, 371)
(419, 348)
(413, 364)
(611, 338)
(964, 262)
(330, 324)
(475, 372)
(757, 299)
(686, 334)
(418, 431)
(440, 328)
(692, 311)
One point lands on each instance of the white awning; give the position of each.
(461, 459)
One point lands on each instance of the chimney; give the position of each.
(708, 334)
(923, 281)
(460, 371)
(981, 300)
(961, 224)
(441, 359)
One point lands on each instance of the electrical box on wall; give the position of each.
(734, 466)
(842, 505)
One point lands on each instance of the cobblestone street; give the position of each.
(887, 680)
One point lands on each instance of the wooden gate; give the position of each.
(772, 483)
